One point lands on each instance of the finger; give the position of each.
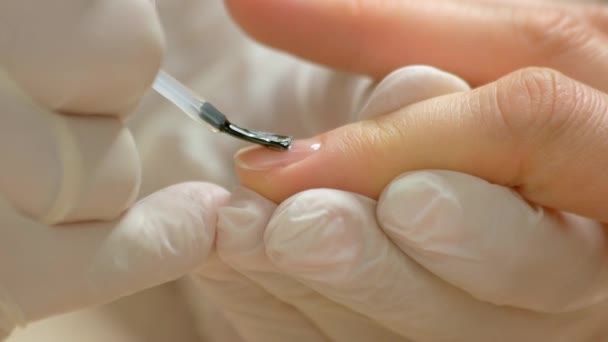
(478, 42)
(330, 242)
(487, 240)
(399, 89)
(535, 130)
(595, 11)
(241, 227)
(97, 57)
(254, 313)
(163, 237)
(409, 85)
(60, 168)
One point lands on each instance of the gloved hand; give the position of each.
(442, 256)
(472, 260)
(70, 72)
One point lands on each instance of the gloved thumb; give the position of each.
(46, 271)
(534, 129)
(81, 57)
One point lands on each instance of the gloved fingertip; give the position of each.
(164, 236)
(244, 199)
(108, 79)
(314, 235)
(241, 224)
(180, 210)
(409, 85)
(418, 209)
(488, 241)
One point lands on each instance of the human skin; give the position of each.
(540, 129)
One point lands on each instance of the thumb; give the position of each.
(536, 130)
(94, 57)
(162, 237)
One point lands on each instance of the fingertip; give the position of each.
(182, 217)
(409, 85)
(277, 175)
(104, 63)
(164, 236)
(241, 224)
(310, 29)
(317, 234)
(417, 210)
(488, 241)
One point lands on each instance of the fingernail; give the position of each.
(261, 158)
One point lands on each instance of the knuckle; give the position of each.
(554, 32)
(530, 99)
(365, 138)
(540, 108)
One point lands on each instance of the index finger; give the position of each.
(479, 42)
(535, 130)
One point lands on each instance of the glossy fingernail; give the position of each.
(261, 158)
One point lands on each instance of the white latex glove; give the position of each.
(70, 71)
(442, 256)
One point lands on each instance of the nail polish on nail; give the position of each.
(261, 158)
